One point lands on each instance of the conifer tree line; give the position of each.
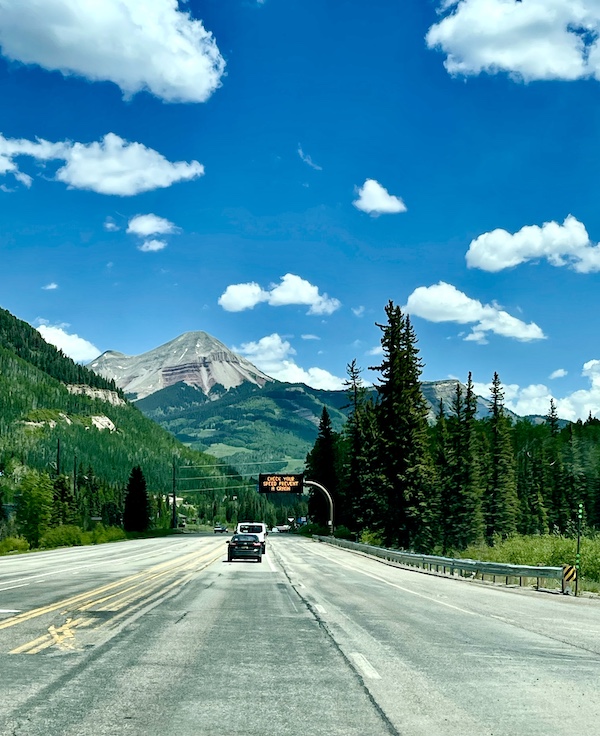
(404, 482)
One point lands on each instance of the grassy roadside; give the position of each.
(549, 549)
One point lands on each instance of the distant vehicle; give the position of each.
(182, 524)
(254, 527)
(220, 529)
(275, 530)
(244, 546)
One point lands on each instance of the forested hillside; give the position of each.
(27, 343)
(66, 457)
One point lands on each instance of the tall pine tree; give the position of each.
(404, 458)
(136, 517)
(500, 502)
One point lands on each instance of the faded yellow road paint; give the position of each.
(71, 603)
(142, 593)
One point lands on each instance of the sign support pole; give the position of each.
(327, 495)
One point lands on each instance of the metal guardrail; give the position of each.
(473, 569)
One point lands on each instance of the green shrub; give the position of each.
(307, 530)
(373, 538)
(63, 536)
(13, 544)
(547, 549)
(342, 532)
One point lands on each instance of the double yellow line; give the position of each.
(123, 598)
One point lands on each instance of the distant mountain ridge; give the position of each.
(194, 358)
(216, 401)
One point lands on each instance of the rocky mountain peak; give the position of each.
(195, 358)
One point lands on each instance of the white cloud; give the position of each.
(377, 350)
(530, 40)
(80, 350)
(110, 225)
(308, 160)
(535, 399)
(151, 246)
(50, 287)
(445, 303)
(561, 245)
(292, 289)
(150, 45)
(272, 355)
(375, 199)
(239, 297)
(110, 166)
(559, 373)
(310, 337)
(145, 225)
(358, 311)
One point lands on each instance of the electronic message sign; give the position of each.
(280, 483)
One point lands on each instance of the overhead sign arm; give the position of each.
(325, 492)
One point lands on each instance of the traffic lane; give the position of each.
(234, 651)
(459, 671)
(570, 620)
(37, 579)
(47, 613)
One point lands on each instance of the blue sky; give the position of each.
(274, 172)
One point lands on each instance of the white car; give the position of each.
(254, 527)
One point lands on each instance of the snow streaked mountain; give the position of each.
(196, 358)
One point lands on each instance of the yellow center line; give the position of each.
(142, 588)
(64, 637)
(70, 603)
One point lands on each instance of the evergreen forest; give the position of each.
(455, 484)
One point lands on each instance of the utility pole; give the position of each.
(174, 518)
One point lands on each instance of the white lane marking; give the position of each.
(319, 608)
(363, 664)
(271, 565)
(394, 585)
(23, 585)
(10, 610)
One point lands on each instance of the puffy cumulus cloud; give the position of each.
(115, 166)
(150, 45)
(151, 246)
(239, 297)
(50, 287)
(291, 289)
(376, 200)
(558, 373)
(445, 303)
(110, 225)
(272, 354)
(530, 40)
(535, 398)
(561, 245)
(295, 290)
(110, 166)
(145, 225)
(80, 350)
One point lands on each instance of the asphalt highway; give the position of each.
(163, 636)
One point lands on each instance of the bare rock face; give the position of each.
(195, 358)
